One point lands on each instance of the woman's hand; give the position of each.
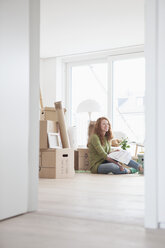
(120, 166)
(115, 162)
(111, 160)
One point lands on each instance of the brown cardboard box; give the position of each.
(57, 163)
(47, 172)
(45, 127)
(43, 135)
(76, 160)
(48, 113)
(83, 159)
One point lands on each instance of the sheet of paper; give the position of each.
(122, 156)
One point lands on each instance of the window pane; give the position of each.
(88, 82)
(128, 97)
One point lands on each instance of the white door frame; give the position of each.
(151, 185)
(151, 154)
(34, 96)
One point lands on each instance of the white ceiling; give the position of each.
(79, 26)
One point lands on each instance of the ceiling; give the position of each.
(80, 26)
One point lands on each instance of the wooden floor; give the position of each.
(89, 211)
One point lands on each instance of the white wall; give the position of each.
(78, 26)
(16, 80)
(74, 27)
(48, 81)
(51, 78)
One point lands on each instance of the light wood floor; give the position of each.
(89, 211)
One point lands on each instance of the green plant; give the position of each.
(124, 144)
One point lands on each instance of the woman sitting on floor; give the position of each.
(99, 148)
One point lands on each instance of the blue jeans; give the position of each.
(107, 167)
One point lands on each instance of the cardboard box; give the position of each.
(76, 160)
(83, 159)
(43, 135)
(57, 163)
(45, 127)
(47, 172)
(48, 113)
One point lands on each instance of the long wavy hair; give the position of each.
(98, 131)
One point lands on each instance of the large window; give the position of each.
(128, 97)
(117, 83)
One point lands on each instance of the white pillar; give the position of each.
(155, 119)
(161, 112)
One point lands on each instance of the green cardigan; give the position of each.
(97, 152)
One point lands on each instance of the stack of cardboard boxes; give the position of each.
(59, 162)
(54, 163)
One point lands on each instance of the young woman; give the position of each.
(99, 148)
